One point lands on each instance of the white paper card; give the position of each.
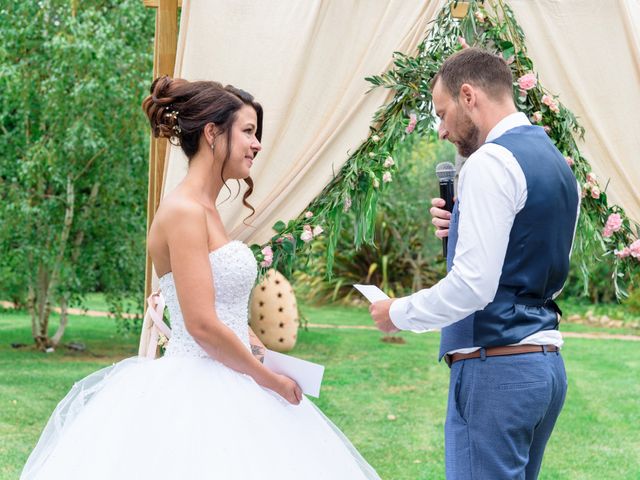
(371, 292)
(374, 294)
(307, 374)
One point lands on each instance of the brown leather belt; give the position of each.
(499, 351)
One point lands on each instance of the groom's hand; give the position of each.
(380, 314)
(440, 217)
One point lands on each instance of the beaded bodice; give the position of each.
(234, 272)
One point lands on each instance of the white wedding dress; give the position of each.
(187, 416)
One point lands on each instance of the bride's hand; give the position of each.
(288, 389)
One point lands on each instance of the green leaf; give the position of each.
(279, 226)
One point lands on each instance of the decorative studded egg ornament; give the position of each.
(274, 312)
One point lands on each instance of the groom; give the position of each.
(510, 238)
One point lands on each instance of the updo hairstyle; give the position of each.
(179, 110)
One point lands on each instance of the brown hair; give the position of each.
(476, 67)
(179, 110)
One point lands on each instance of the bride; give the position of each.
(208, 408)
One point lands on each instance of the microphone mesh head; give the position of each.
(445, 171)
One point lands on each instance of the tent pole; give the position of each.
(164, 59)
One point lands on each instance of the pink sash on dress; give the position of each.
(154, 321)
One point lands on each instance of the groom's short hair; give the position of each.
(476, 67)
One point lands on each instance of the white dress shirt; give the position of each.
(492, 189)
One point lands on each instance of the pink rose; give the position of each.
(614, 222)
(389, 162)
(547, 128)
(595, 192)
(591, 178)
(536, 117)
(634, 249)
(528, 81)
(307, 234)
(268, 257)
(463, 42)
(551, 103)
(569, 161)
(308, 214)
(317, 231)
(386, 177)
(625, 252)
(288, 236)
(413, 120)
(267, 262)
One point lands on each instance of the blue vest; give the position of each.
(537, 259)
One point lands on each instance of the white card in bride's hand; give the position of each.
(306, 374)
(371, 292)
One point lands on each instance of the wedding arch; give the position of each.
(331, 145)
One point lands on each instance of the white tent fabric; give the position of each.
(588, 53)
(305, 62)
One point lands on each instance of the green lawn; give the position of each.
(366, 380)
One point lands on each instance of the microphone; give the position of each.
(446, 172)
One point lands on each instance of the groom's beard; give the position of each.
(469, 140)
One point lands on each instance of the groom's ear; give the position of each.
(467, 96)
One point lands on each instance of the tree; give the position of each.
(73, 145)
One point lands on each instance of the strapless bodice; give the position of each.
(234, 272)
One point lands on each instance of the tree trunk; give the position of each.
(31, 306)
(64, 320)
(84, 215)
(42, 308)
(47, 278)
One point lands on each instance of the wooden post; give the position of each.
(460, 9)
(164, 60)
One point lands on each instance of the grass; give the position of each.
(97, 301)
(348, 315)
(365, 381)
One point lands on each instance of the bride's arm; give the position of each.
(257, 347)
(189, 257)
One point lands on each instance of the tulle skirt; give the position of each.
(187, 418)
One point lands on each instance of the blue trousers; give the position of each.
(500, 415)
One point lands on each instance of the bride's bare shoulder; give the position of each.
(177, 207)
(177, 214)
